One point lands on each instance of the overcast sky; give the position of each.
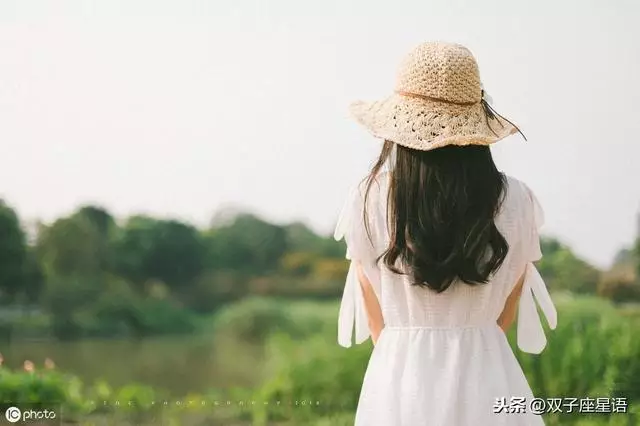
(177, 108)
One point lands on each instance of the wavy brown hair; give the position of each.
(441, 209)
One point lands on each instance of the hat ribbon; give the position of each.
(489, 112)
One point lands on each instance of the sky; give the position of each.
(182, 108)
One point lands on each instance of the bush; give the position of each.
(297, 264)
(252, 319)
(255, 319)
(312, 380)
(73, 401)
(564, 271)
(43, 390)
(620, 288)
(163, 317)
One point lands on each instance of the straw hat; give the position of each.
(438, 101)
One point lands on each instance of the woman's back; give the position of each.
(445, 348)
(405, 305)
(442, 248)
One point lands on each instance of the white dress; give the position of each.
(441, 359)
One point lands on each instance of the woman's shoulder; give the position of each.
(364, 202)
(518, 188)
(515, 184)
(522, 199)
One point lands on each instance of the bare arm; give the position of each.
(372, 305)
(508, 314)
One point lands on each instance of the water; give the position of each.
(178, 365)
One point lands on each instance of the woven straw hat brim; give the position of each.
(425, 125)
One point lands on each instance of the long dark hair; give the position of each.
(441, 209)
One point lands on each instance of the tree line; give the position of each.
(88, 268)
(89, 274)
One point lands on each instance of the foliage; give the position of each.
(165, 250)
(257, 318)
(595, 351)
(621, 284)
(301, 239)
(564, 271)
(69, 397)
(72, 246)
(75, 402)
(619, 288)
(247, 243)
(636, 255)
(91, 276)
(16, 271)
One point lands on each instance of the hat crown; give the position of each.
(439, 70)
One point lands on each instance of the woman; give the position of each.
(441, 246)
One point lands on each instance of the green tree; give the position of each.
(619, 288)
(302, 239)
(248, 243)
(164, 250)
(71, 246)
(563, 270)
(550, 246)
(13, 254)
(69, 301)
(625, 256)
(34, 282)
(636, 251)
(75, 255)
(100, 218)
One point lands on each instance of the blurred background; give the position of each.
(171, 172)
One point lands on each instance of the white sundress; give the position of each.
(441, 359)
